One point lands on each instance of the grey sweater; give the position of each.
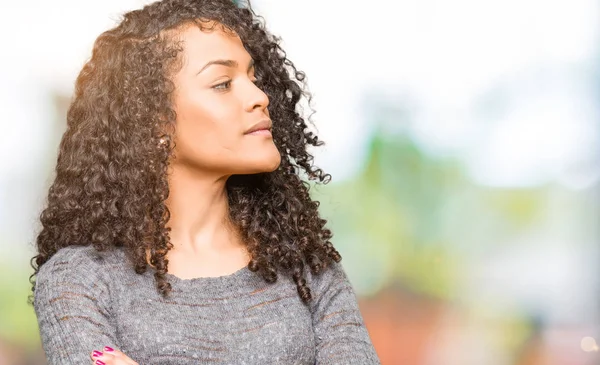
(85, 300)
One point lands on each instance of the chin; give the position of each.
(267, 164)
(271, 165)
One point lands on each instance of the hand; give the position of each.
(110, 357)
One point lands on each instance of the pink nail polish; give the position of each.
(96, 353)
(99, 362)
(108, 349)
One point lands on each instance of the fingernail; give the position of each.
(109, 349)
(96, 353)
(99, 362)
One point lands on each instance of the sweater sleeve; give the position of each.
(72, 305)
(340, 332)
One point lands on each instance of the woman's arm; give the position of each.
(72, 305)
(341, 335)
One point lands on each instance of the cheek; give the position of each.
(206, 131)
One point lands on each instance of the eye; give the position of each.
(223, 86)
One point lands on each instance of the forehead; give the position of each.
(201, 46)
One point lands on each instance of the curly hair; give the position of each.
(111, 178)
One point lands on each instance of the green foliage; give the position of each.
(411, 218)
(17, 318)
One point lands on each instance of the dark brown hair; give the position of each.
(110, 185)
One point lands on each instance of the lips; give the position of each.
(264, 124)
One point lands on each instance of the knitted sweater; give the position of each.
(85, 299)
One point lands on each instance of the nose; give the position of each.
(257, 98)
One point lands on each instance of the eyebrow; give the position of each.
(226, 63)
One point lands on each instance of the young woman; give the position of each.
(178, 229)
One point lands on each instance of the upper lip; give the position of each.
(263, 124)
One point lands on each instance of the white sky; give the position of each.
(445, 55)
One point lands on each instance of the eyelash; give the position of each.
(217, 87)
(228, 82)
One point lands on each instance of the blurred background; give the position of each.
(463, 138)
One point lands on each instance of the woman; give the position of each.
(178, 229)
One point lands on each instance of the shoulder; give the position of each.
(334, 271)
(330, 277)
(74, 267)
(76, 259)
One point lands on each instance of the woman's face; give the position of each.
(217, 102)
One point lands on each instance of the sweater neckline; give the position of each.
(228, 284)
(222, 278)
(210, 283)
(207, 282)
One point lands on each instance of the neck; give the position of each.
(199, 208)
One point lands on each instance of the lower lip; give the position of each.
(261, 132)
